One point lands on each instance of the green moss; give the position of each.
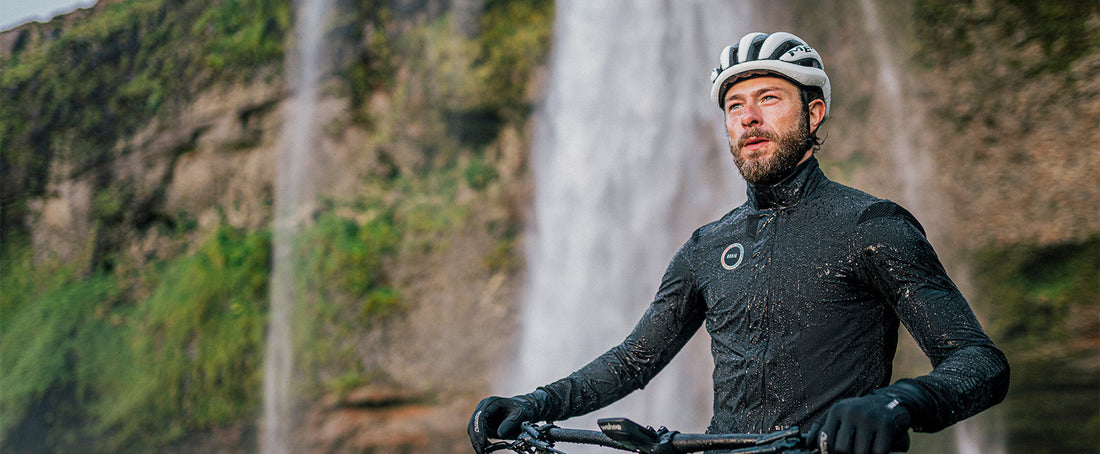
(46, 317)
(242, 34)
(504, 256)
(1036, 295)
(380, 302)
(478, 174)
(1062, 30)
(197, 343)
(344, 272)
(373, 66)
(108, 204)
(335, 245)
(513, 42)
(134, 375)
(74, 96)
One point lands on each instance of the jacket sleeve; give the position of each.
(675, 314)
(970, 374)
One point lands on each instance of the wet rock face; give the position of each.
(386, 419)
(215, 158)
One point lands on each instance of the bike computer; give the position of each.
(630, 433)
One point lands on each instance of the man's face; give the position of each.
(767, 127)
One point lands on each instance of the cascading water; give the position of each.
(293, 193)
(629, 156)
(909, 163)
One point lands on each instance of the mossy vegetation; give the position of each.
(74, 93)
(344, 270)
(1041, 296)
(101, 369)
(1043, 307)
(128, 373)
(113, 356)
(197, 342)
(48, 312)
(1061, 30)
(242, 34)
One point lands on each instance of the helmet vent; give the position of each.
(808, 62)
(754, 49)
(783, 48)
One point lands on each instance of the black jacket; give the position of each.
(801, 289)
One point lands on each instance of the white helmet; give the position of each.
(781, 53)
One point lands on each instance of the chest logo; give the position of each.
(732, 256)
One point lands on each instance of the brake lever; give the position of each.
(534, 438)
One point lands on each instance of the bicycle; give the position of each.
(626, 435)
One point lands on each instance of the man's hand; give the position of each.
(498, 417)
(872, 424)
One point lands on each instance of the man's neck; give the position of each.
(789, 190)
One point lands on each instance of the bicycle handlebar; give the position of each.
(623, 434)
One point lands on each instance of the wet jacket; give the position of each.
(801, 290)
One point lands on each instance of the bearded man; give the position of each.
(801, 289)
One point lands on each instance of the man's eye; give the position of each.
(733, 106)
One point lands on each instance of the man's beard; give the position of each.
(790, 148)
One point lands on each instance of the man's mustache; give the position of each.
(756, 133)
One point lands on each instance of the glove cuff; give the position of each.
(915, 401)
(539, 403)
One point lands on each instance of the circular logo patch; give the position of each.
(732, 256)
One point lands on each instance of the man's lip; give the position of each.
(756, 141)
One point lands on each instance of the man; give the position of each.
(801, 290)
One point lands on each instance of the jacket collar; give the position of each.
(802, 181)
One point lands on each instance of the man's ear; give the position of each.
(817, 114)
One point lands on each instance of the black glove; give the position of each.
(500, 417)
(872, 424)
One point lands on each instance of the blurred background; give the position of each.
(335, 225)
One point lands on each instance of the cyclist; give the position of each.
(801, 289)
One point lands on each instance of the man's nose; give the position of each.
(750, 116)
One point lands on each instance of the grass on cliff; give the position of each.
(1043, 305)
(94, 366)
(71, 94)
(1041, 297)
(118, 373)
(104, 360)
(344, 275)
(86, 362)
(1061, 30)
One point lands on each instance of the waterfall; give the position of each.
(910, 164)
(292, 195)
(629, 157)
